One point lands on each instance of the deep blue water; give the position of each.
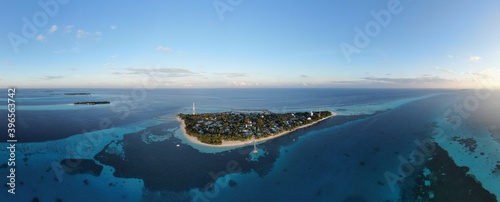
(135, 141)
(49, 116)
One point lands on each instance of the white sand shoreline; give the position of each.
(233, 144)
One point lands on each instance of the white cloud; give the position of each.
(406, 81)
(81, 33)
(488, 78)
(474, 58)
(110, 64)
(485, 74)
(113, 27)
(161, 72)
(48, 78)
(450, 56)
(234, 74)
(41, 37)
(163, 49)
(443, 69)
(52, 29)
(69, 28)
(243, 83)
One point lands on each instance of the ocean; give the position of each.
(383, 145)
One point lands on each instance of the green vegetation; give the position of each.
(212, 128)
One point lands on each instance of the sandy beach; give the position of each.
(195, 140)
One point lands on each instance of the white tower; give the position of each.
(194, 109)
(255, 151)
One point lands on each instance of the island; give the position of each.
(88, 94)
(70, 94)
(239, 128)
(92, 103)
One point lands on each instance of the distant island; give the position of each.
(92, 103)
(70, 94)
(239, 128)
(77, 94)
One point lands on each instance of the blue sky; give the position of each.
(243, 43)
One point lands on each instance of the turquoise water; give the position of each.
(145, 157)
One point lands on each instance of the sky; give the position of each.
(250, 44)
